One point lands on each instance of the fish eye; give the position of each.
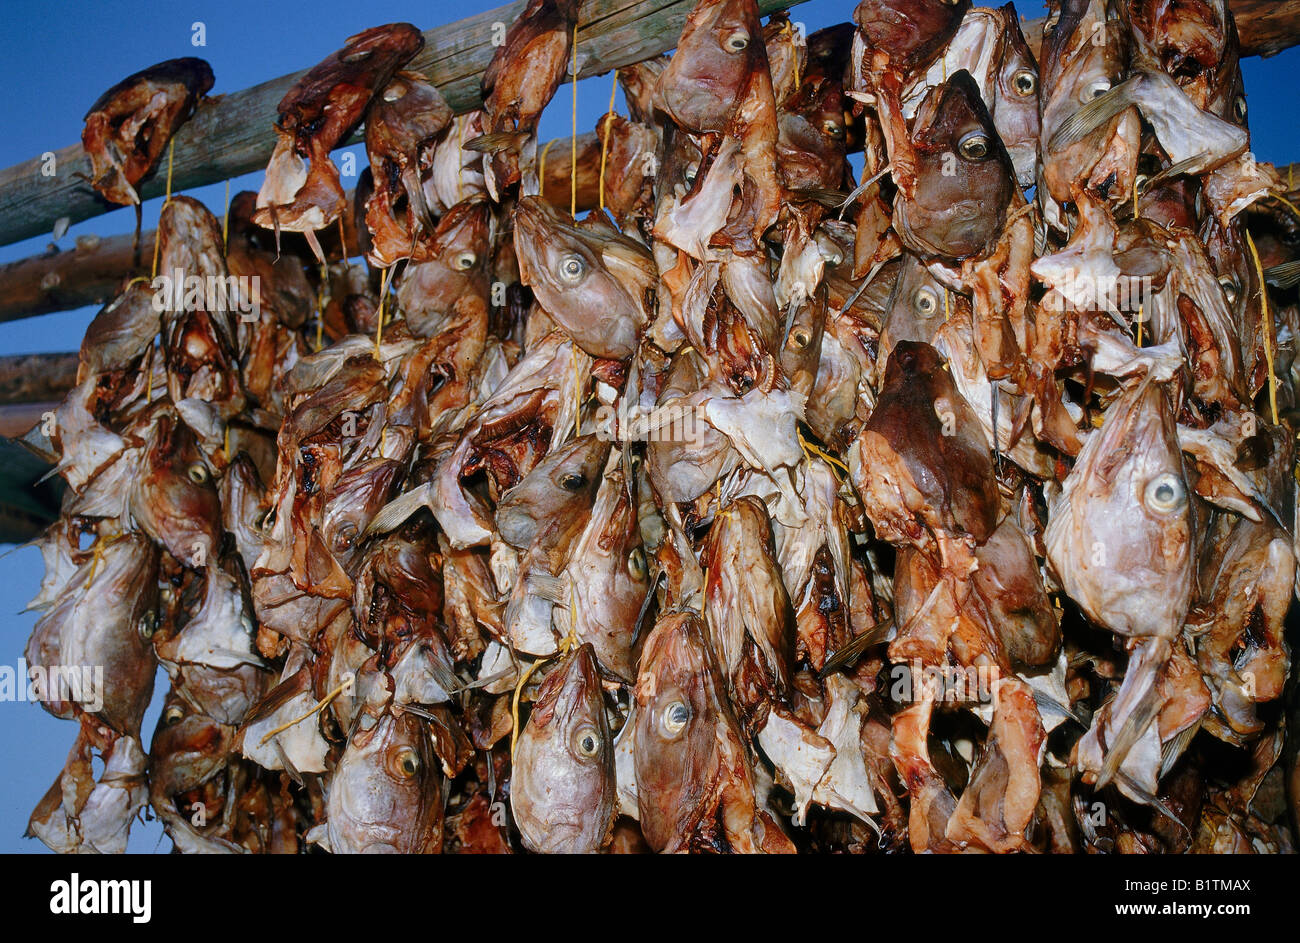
(198, 473)
(833, 128)
(148, 625)
(586, 741)
(636, 565)
(690, 174)
(407, 763)
(1239, 108)
(1095, 90)
(974, 146)
(464, 261)
(925, 301)
(737, 41)
(573, 482)
(799, 338)
(345, 535)
(1229, 286)
(1024, 82)
(173, 715)
(1140, 181)
(572, 268)
(1165, 493)
(675, 717)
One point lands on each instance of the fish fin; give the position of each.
(496, 142)
(551, 588)
(288, 763)
(1044, 700)
(832, 199)
(1094, 114)
(1184, 166)
(1135, 724)
(847, 654)
(1286, 275)
(393, 514)
(315, 246)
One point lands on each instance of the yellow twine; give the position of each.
(347, 683)
(604, 144)
(225, 221)
(1139, 324)
(157, 241)
(514, 704)
(1268, 327)
(541, 167)
(383, 296)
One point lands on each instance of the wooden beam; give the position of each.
(233, 134)
(94, 271)
(32, 378)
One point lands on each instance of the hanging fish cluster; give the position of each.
(760, 510)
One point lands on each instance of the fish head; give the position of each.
(562, 789)
(386, 793)
(1015, 97)
(187, 750)
(593, 283)
(917, 307)
(174, 499)
(720, 48)
(911, 32)
(679, 708)
(560, 487)
(1120, 535)
(964, 179)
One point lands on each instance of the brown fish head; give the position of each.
(910, 32)
(560, 488)
(128, 127)
(175, 500)
(720, 47)
(922, 461)
(595, 285)
(1120, 536)
(917, 307)
(681, 717)
(811, 135)
(562, 791)
(964, 177)
(188, 749)
(386, 793)
(432, 291)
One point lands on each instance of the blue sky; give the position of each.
(55, 60)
